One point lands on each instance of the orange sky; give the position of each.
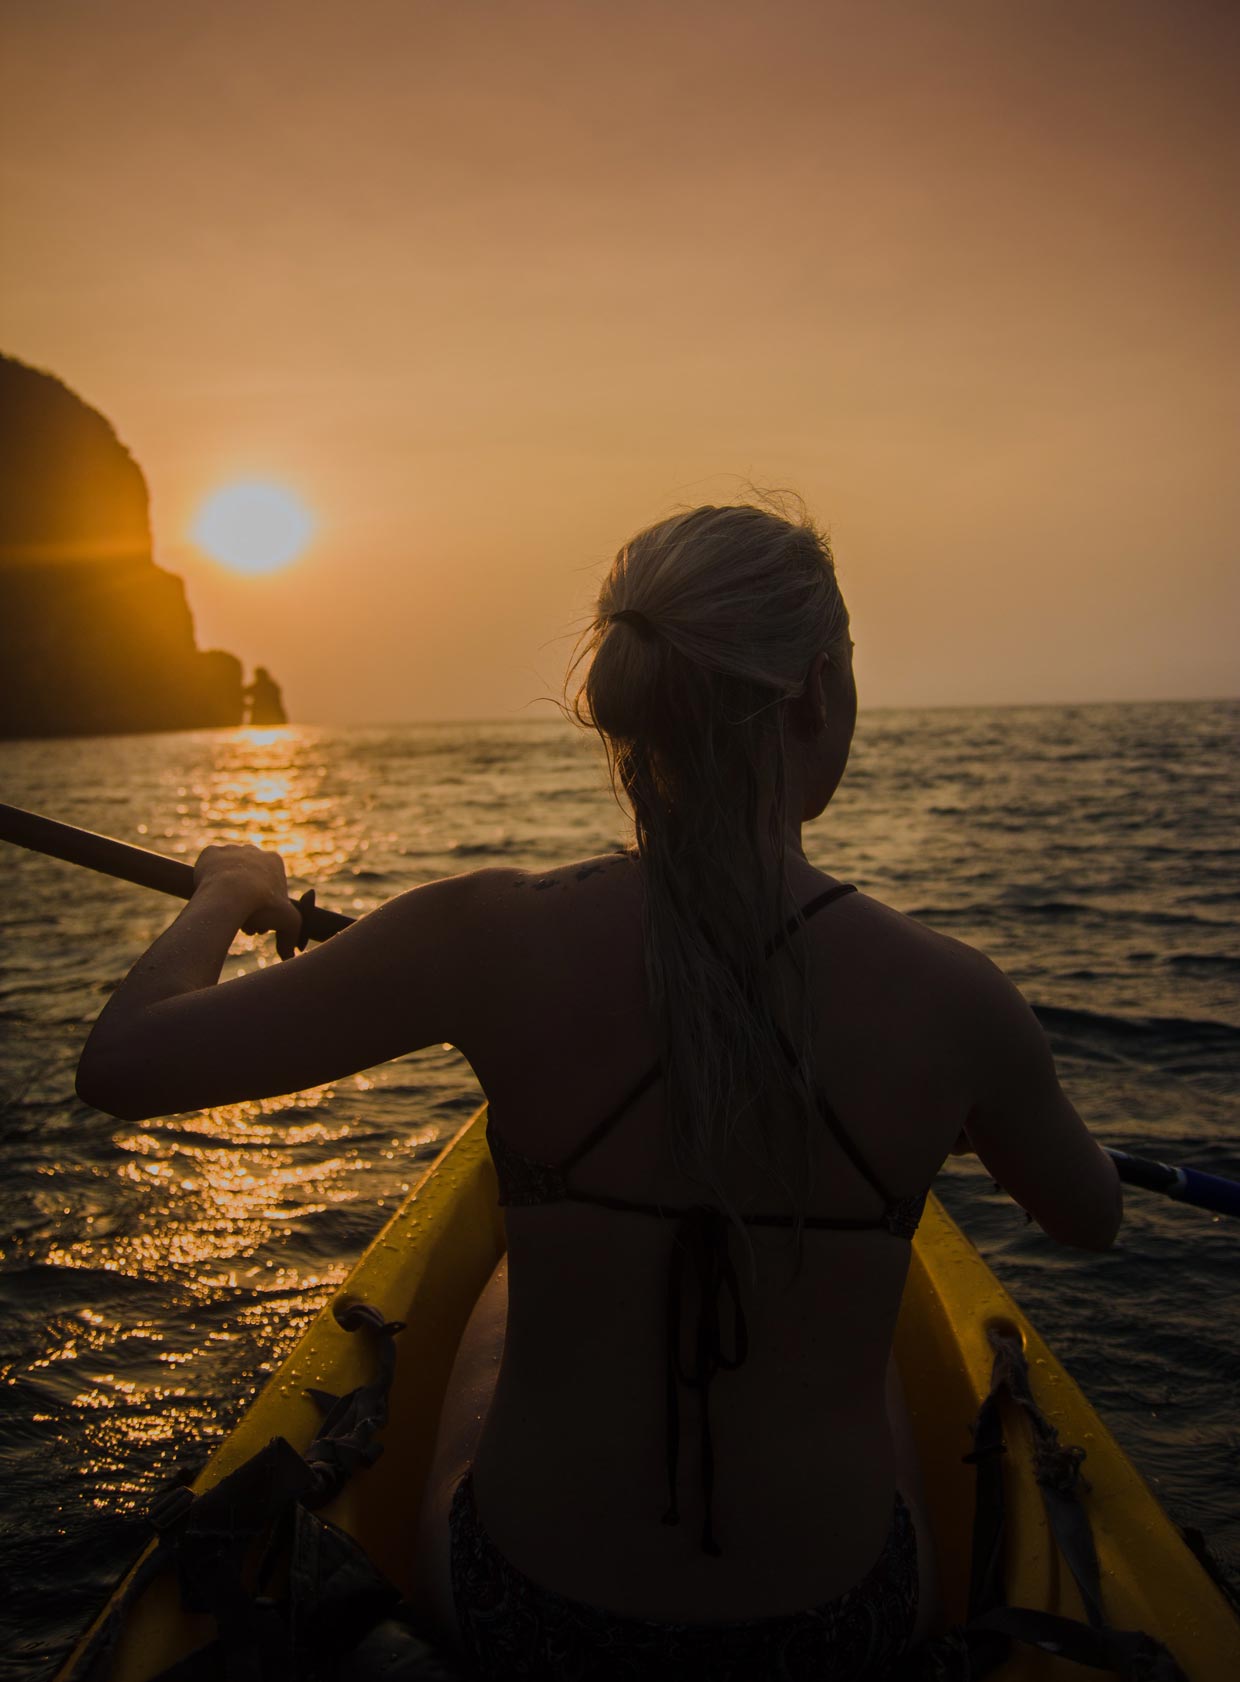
(492, 284)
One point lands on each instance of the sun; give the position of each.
(253, 526)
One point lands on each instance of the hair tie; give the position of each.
(637, 619)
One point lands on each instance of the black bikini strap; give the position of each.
(674, 1212)
(626, 1205)
(599, 1132)
(701, 1257)
(833, 1123)
(836, 1128)
(601, 1129)
(799, 918)
(850, 1148)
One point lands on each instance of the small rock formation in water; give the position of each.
(263, 701)
(95, 639)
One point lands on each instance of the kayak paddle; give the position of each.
(1187, 1185)
(172, 876)
(137, 864)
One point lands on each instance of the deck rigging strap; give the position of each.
(256, 1531)
(982, 1643)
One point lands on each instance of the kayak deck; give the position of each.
(427, 1267)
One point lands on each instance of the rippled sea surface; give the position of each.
(153, 1274)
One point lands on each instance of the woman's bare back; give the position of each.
(540, 982)
(569, 1467)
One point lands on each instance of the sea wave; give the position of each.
(1170, 1028)
(1203, 963)
(1171, 1042)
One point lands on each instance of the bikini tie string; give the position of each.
(701, 1259)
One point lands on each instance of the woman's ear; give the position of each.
(816, 689)
(810, 706)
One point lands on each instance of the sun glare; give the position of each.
(253, 526)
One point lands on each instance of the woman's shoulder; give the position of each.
(882, 927)
(545, 946)
(499, 883)
(911, 955)
(579, 898)
(615, 869)
(541, 887)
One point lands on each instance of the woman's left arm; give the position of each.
(170, 1039)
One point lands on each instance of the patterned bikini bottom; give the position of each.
(512, 1627)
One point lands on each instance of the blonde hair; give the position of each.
(706, 624)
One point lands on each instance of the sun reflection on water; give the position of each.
(223, 1204)
(265, 736)
(272, 788)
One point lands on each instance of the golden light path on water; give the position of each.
(222, 1189)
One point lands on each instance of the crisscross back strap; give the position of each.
(601, 1129)
(798, 920)
(835, 1127)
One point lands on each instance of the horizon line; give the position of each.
(880, 707)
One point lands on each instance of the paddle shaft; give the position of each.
(133, 864)
(1186, 1185)
(171, 876)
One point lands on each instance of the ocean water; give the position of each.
(152, 1275)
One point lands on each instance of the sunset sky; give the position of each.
(490, 284)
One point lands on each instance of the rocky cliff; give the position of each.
(95, 639)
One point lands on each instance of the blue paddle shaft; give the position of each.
(1187, 1185)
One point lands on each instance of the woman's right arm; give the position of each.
(1025, 1130)
(417, 971)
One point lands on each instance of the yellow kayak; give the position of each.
(426, 1269)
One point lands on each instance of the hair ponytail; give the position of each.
(707, 623)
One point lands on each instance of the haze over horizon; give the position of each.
(489, 288)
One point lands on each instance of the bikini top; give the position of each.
(700, 1249)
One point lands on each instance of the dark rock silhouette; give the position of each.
(95, 639)
(263, 700)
